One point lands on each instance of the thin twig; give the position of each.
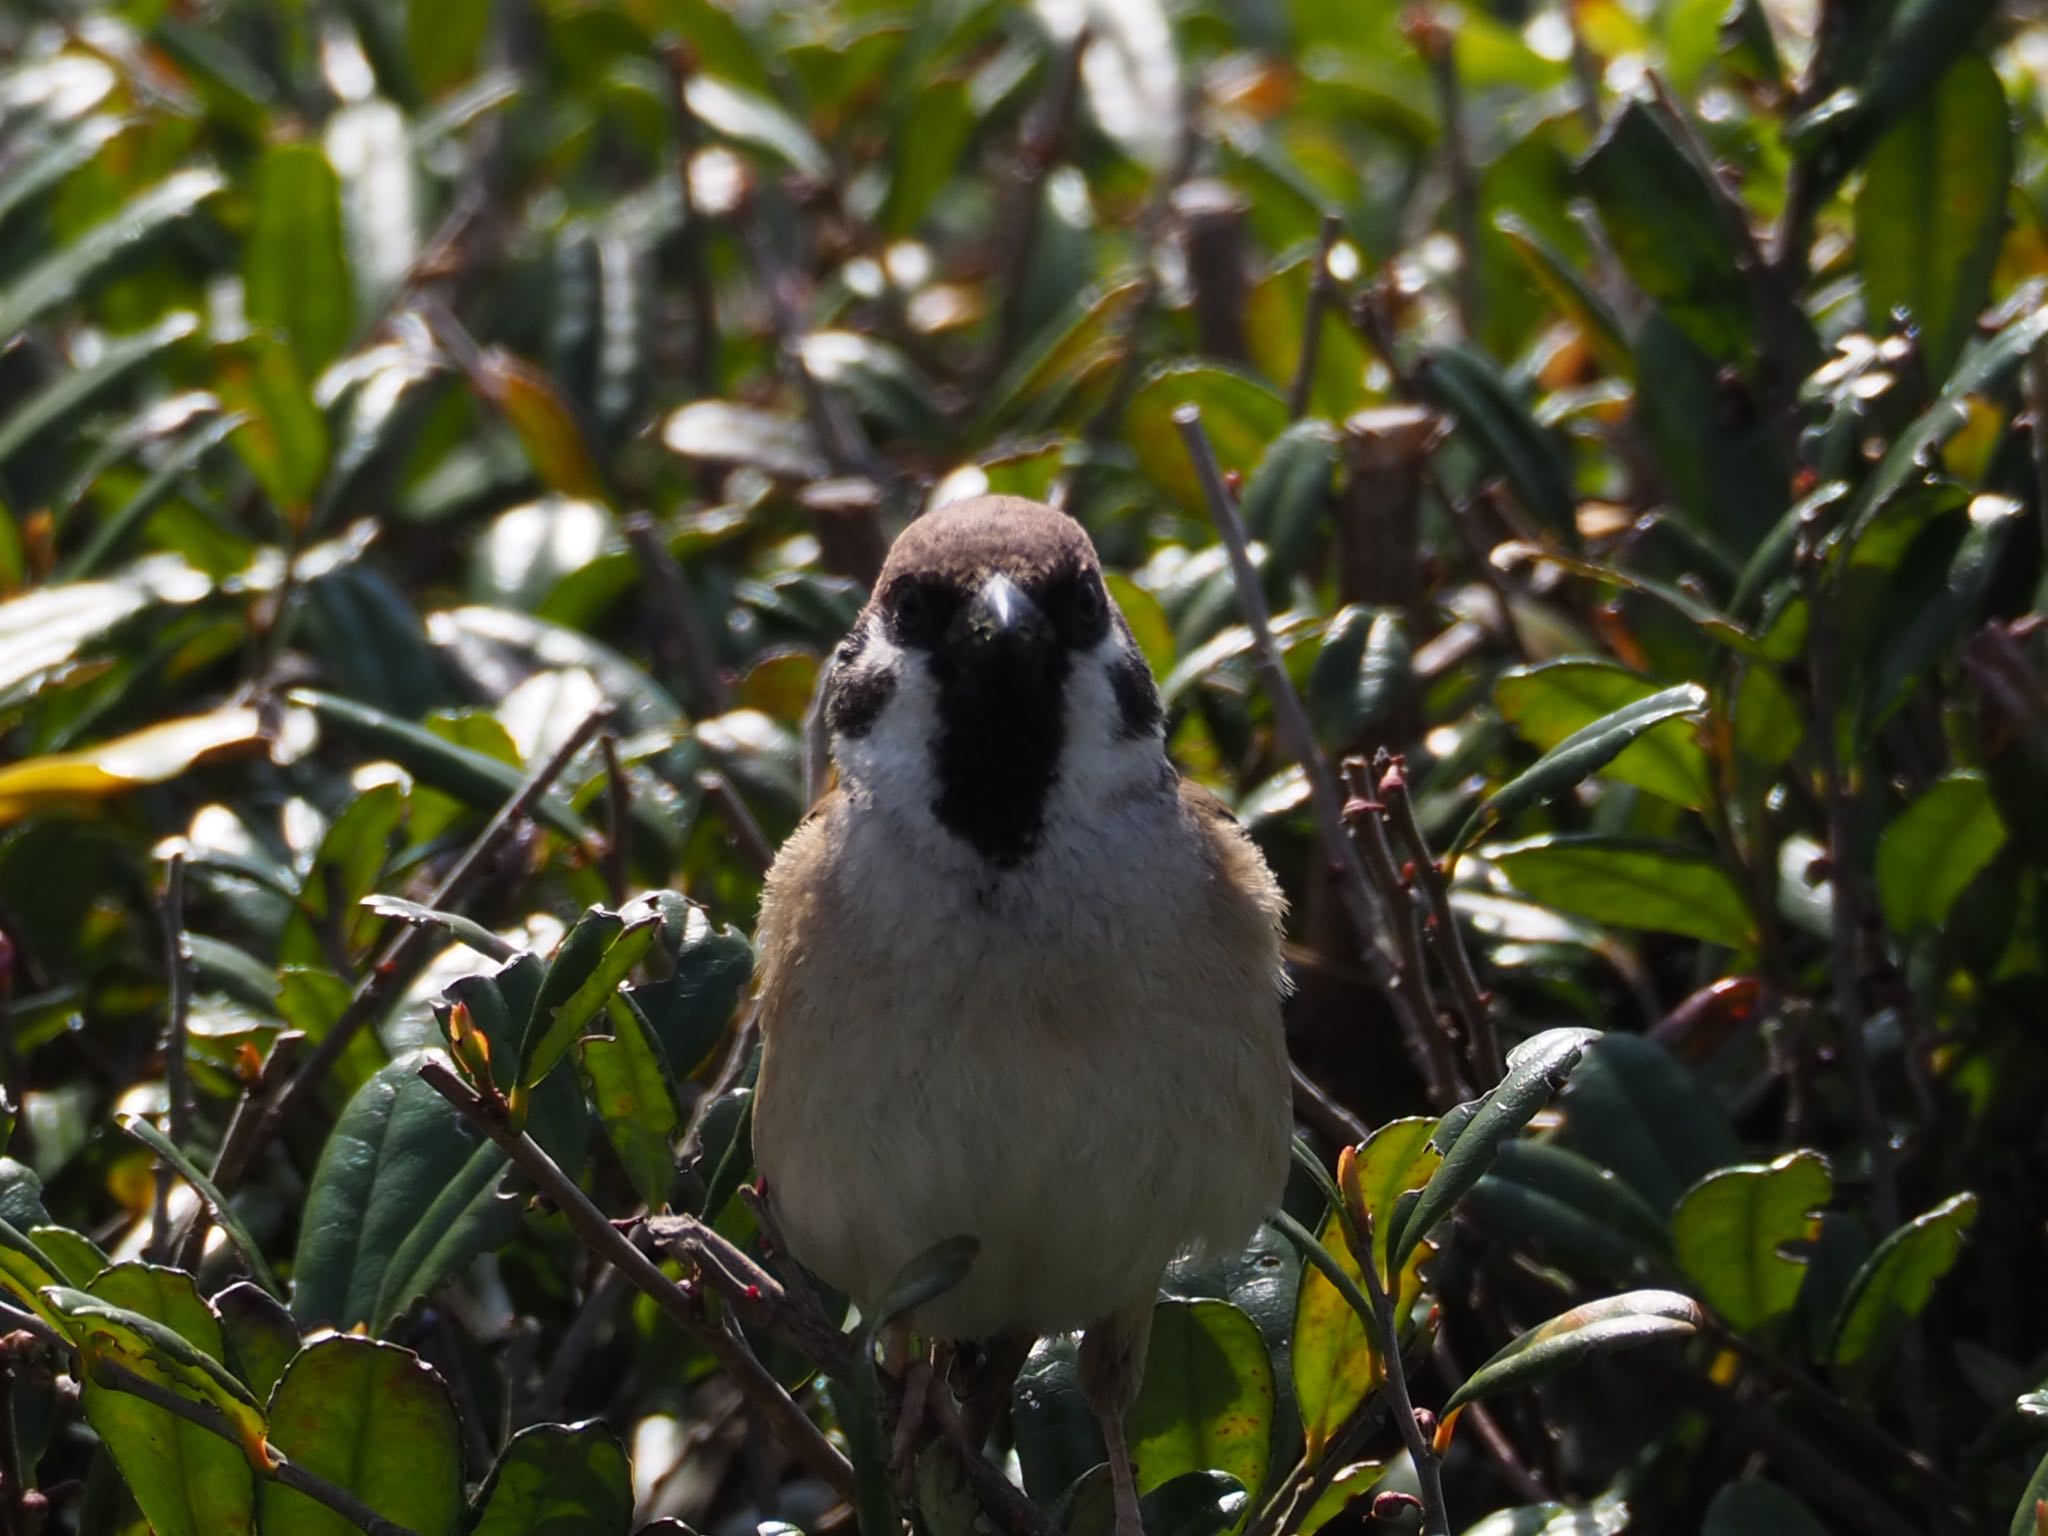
(177, 1078)
(401, 958)
(681, 640)
(776, 1408)
(1315, 1108)
(690, 237)
(1321, 284)
(605, 1293)
(1845, 926)
(1399, 810)
(1291, 721)
(1434, 39)
(618, 829)
(1036, 158)
(118, 1378)
(746, 832)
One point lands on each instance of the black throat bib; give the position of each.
(1001, 725)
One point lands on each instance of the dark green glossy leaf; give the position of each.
(935, 130)
(1286, 500)
(557, 1480)
(260, 1334)
(283, 436)
(375, 1420)
(709, 966)
(1632, 1107)
(1568, 290)
(1754, 1507)
(1363, 672)
(1660, 210)
(1536, 1069)
(1582, 1214)
(1619, 1322)
(404, 1195)
(49, 409)
(1736, 1232)
(594, 958)
(1241, 415)
(1505, 434)
(464, 930)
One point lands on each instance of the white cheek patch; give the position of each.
(890, 764)
(1099, 761)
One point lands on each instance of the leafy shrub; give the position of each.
(438, 443)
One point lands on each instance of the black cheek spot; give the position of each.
(1137, 697)
(854, 700)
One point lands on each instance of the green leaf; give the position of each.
(1630, 885)
(294, 263)
(1363, 671)
(594, 958)
(754, 120)
(464, 930)
(108, 1332)
(1340, 1493)
(1580, 755)
(1924, 636)
(371, 1418)
(1207, 1400)
(1723, 459)
(477, 780)
(1193, 1504)
(1618, 1322)
(1334, 1360)
(260, 1334)
(1536, 1069)
(1240, 414)
(1549, 703)
(328, 921)
(1735, 1233)
(1931, 213)
(1569, 291)
(1286, 501)
(924, 1279)
(224, 1213)
(187, 1480)
(1894, 1286)
(709, 966)
(1582, 1213)
(630, 1088)
(1504, 433)
(1932, 851)
(1755, 1507)
(1662, 215)
(557, 1480)
(2029, 1517)
(77, 1257)
(403, 1196)
(25, 1272)
(49, 408)
(164, 482)
(59, 276)
(1986, 367)
(927, 154)
(283, 437)
(1632, 1107)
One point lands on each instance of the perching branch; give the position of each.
(177, 1079)
(1320, 286)
(1291, 720)
(777, 1409)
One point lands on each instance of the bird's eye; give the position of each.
(912, 613)
(1086, 611)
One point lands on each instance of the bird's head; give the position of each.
(991, 681)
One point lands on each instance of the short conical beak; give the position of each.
(1002, 620)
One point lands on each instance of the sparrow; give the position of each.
(1018, 979)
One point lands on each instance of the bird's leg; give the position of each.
(1112, 1366)
(989, 1375)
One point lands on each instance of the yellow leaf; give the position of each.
(147, 756)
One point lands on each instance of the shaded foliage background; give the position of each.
(439, 441)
